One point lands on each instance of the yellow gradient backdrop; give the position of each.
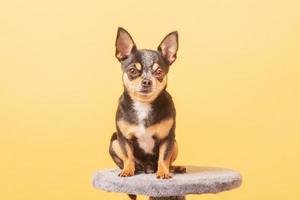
(236, 86)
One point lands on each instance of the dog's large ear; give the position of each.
(169, 46)
(124, 44)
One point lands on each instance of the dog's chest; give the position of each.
(143, 135)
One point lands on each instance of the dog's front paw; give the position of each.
(128, 171)
(163, 174)
(125, 173)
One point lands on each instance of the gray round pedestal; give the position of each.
(197, 180)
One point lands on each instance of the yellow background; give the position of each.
(235, 85)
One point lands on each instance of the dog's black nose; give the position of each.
(146, 83)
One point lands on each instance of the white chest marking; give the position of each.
(144, 138)
(142, 110)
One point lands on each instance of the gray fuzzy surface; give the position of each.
(197, 180)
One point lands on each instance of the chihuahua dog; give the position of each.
(145, 120)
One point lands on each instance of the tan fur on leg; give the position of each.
(129, 161)
(164, 164)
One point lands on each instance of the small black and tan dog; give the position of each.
(145, 119)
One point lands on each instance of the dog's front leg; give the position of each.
(126, 154)
(165, 158)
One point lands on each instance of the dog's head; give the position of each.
(145, 71)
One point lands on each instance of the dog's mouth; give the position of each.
(145, 92)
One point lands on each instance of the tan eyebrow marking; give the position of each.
(138, 66)
(155, 66)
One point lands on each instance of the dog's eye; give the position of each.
(132, 71)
